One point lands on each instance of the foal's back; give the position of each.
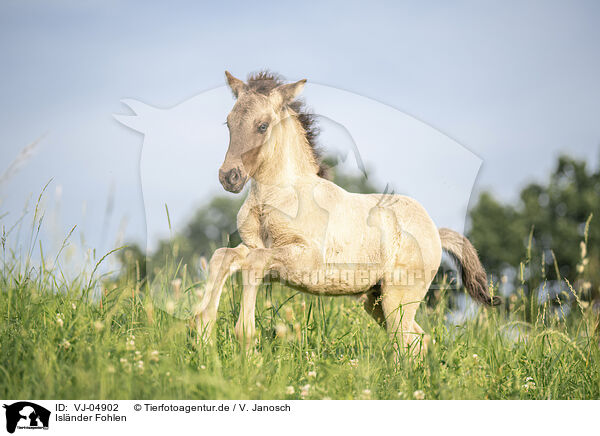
(350, 238)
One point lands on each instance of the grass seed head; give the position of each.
(170, 306)
(281, 330)
(289, 314)
(176, 285)
(203, 263)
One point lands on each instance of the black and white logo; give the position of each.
(26, 415)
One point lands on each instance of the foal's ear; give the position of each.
(236, 85)
(289, 91)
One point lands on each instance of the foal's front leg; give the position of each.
(223, 263)
(289, 261)
(253, 270)
(245, 328)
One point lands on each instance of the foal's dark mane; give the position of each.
(264, 82)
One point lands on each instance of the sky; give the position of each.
(514, 83)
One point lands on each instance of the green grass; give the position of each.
(60, 340)
(56, 343)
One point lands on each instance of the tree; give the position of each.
(557, 215)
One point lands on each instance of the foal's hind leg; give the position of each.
(425, 337)
(372, 305)
(400, 304)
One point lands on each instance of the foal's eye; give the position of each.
(263, 127)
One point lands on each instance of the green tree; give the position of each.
(556, 214)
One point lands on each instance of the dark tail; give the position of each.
(473, 274)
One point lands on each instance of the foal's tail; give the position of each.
(473, 273)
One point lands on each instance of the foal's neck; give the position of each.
(286, 158)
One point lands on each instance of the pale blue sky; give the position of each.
(514, 82)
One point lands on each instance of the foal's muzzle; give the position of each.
(232, 180)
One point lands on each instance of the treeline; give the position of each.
(549, 235)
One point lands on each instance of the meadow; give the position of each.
(61, 339)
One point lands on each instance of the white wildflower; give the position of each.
(419, 395)
(529, 384)
(304, 390)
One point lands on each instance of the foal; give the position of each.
(317, 237)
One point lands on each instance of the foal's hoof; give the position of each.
(415, 352)
(426, 343)
(248, 344)
(204, 334)
(204, 339)
(420, 347)
(246, 339)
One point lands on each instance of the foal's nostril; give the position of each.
(234, 176)
(231, 178)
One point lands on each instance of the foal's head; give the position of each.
(260, 106)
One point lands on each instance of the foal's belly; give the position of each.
(335, 280)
